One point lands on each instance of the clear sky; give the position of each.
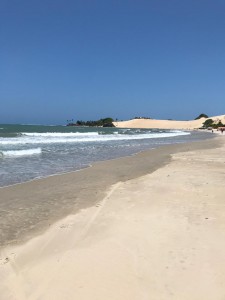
(87, 59)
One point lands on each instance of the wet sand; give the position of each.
(28, 209)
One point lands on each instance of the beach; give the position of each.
(148, 226)
(112, 150)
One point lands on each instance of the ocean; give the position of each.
(29, 152)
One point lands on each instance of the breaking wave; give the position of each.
(26, 152)
(81, 138)
(59, 134)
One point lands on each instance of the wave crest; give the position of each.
(59, 134)
(26, 152)
(95, 137)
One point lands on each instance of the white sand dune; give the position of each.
(166, 124)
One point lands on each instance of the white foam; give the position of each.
(25, 152)
(59, 134)
(22, 140)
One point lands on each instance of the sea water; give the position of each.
(34, 151)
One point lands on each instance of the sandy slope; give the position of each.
(165, 124)
(158, 237)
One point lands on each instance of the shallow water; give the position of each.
(34, 151)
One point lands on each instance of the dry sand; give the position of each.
(158, 236)
(166, 124)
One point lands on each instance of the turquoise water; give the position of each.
(34, 151)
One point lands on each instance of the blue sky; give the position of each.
(88, 59)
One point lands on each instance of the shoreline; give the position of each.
(159, 234)
(8, 180)
(29, 208)
(111, 159)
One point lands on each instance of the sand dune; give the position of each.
(166, 124)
